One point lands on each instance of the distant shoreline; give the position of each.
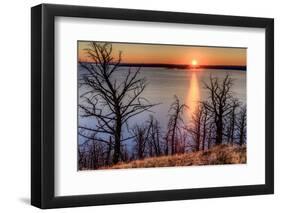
(183, 66)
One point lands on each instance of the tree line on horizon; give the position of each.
(221, 119)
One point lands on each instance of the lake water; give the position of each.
(187, 84)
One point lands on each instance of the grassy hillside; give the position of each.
(223, 154)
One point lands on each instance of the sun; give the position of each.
(194, 62)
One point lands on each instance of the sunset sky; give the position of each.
(172, 54)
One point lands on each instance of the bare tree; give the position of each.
(154, 137)
(110, 102)
(205, 127)
(96, 154)
(231, 121)
(124, 153)
(241, 125)
(108, 151)
(219, 103)
(196, 126)
(175, 120)
(91, 155)
(81, 157)
(183, 144)
(140, 139)
(211, 134)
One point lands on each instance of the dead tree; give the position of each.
(81, 157)
(91, 155)
(241, 125)
(140, 139)
(196, 127)
(174, 124)
(231, 121)
(183, 142)
(210, 134)
(154, 137)
(124, 153)
(219, 103)
(205, 127)
(111, 103)
(108, 152)
(95, 154)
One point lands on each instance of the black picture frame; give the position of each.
(43, 102)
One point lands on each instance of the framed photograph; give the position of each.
(139, 106)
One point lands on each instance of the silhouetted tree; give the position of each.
(211, 134)
(108, 151)
(140, 139)
(81, 157)
(91, 154)
(205, 127)
(110, 102)
(124, 153)
(175, 120)
(183, 144)
(96, 154)
(219, 103)
(154, 137)
(241, 125)
(231, 121)
(196, 127)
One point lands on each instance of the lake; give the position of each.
(164, 84)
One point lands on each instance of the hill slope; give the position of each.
(223, 154)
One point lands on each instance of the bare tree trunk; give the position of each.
(117, 140)
(232, 122)
(204, 130)
(242, 125)
(219, 130)
(166, 145)
(108, 151)
(197, 137)
(174, 123)
(140, 137)
(173, 135)
(241, 139)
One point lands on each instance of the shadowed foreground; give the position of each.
(222, 154)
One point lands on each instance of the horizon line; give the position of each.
(180, 66)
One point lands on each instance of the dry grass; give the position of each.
(223, 154)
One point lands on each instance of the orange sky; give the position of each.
(172, 54)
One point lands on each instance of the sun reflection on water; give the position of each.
(193, 94)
